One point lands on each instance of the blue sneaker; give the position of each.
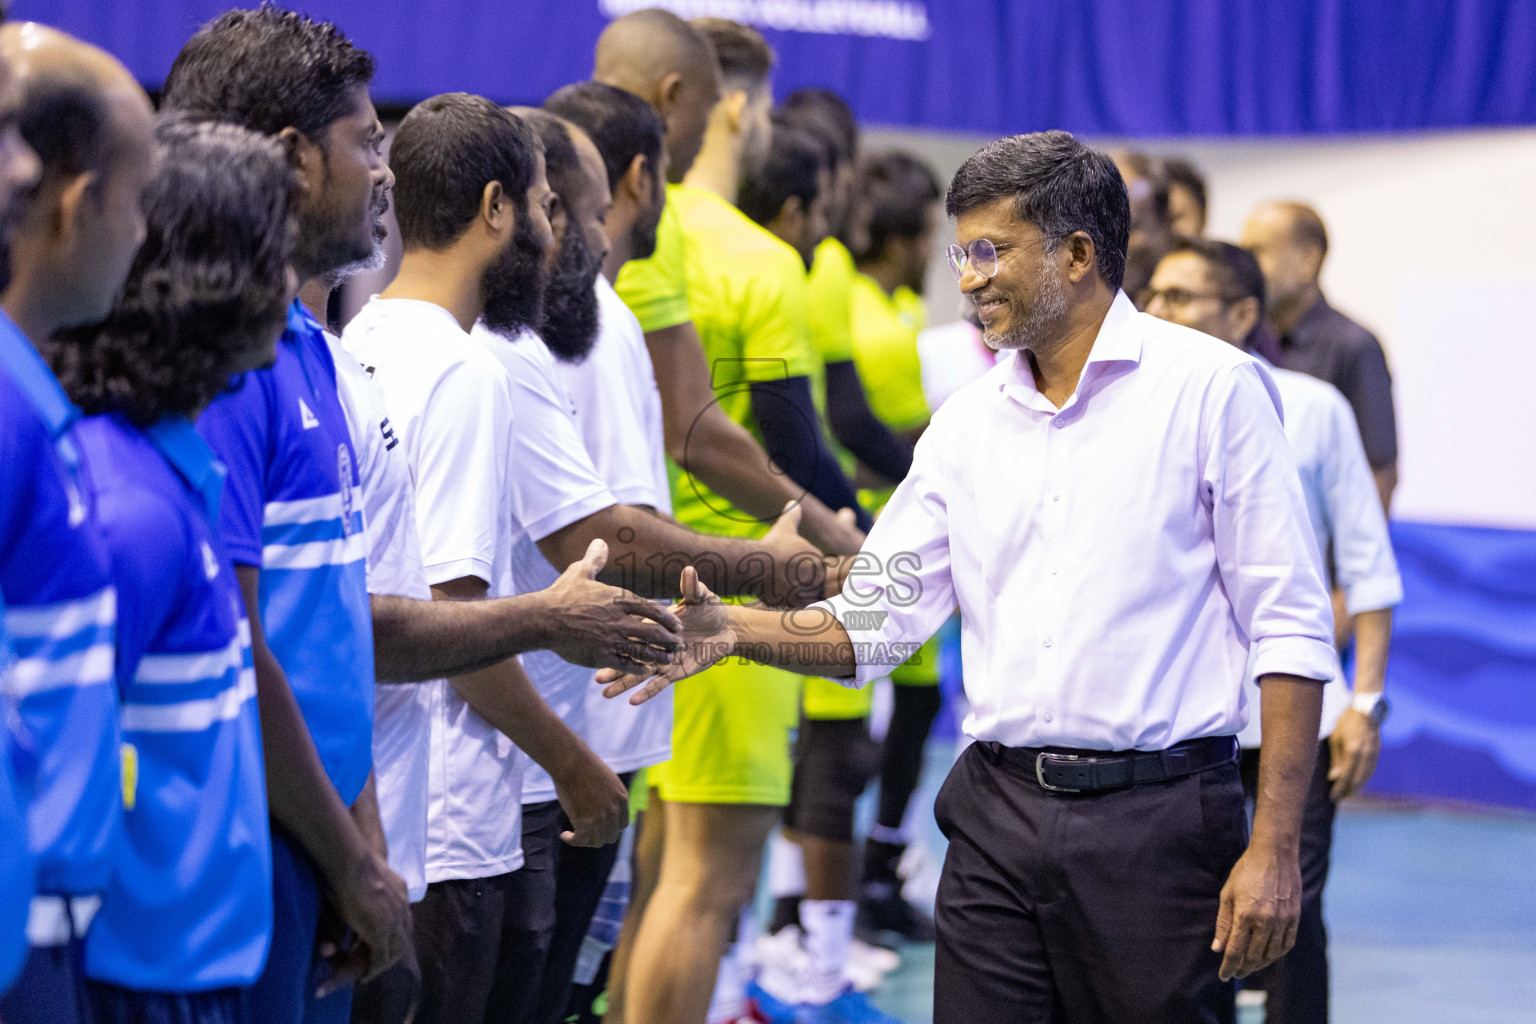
(774, 1011)
(851, 1007)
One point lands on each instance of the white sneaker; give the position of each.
(868, 965)
(782, 963)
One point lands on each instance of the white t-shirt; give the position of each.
(1344, 511)
(554, 484)
(618, 407)
(402, 717)
(451, 405)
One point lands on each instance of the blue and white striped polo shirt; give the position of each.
(61, 618)
(292, 506)
(190, 904)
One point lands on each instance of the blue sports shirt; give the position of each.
(61, 618)
(16, 869)
(291, 506)
(190, 904)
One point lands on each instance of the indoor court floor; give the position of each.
(1431, 914)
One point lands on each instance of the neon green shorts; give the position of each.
(732, 731)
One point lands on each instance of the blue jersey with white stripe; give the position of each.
(190, 904)
(16, 868)
(291, 506)
(61, 618)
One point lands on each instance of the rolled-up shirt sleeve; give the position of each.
(1363, 565)
(899, 591)
(1265, 553)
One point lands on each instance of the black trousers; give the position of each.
(114, 1005)
(482, 942)
(1093, 908)
(1296, 986)
(581, 875)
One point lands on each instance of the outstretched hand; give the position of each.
(707, 638)
(608, 627)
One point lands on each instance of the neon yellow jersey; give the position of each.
(656, 288)
(747, 295)
(829, 293)
(885, 330)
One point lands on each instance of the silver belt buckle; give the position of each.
(1040, 772)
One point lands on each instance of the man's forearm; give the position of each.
(365, 814)
(1373, 637)
(809, 642)
(1386, 484)
(646, 555)
(1291, 709)
(414, 641)
(505, 697)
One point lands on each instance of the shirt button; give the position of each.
(1058, 423)
(1048, 717)
(1056, 497)
(1048, 641)
(1054, 570)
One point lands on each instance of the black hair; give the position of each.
(898, 188)
(792, 168)
(1056, 183)
(446, 150)
(1181, 172)
(67, 123)
(213, 267)
(1235, 269)
(746, 59)
(267, 70)
(560, 157)
(621, 124)
(828, 113)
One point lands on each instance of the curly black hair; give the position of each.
(210, 279)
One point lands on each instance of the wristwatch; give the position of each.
(1373, 706)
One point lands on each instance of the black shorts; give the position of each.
(834, 760)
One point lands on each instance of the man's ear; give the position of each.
(68, 197)
(1081, 256)
(666, 93)
(306, 159)
(637, 182)
(790, 220)
(1244, 316)
(1314, 261)
(495, 209)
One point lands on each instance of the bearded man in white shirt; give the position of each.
(1116, 512)
(1218, 288)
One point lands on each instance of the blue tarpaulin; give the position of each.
(1102, 67)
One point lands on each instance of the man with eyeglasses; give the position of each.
(1218, 288)
(1116, 513)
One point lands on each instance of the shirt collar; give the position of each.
(44, 392)
(191, 458)
(302, 321)
(1118, 341)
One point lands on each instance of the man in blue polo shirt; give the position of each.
(185, 925)
(90, 124)
(291, 517)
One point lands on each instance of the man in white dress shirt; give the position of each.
(1218, 288)
(1117, 515)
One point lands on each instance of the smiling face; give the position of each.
(1024, 304)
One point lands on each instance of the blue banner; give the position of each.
(1102, 67)
(1462, 676)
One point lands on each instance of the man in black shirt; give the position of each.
(1290, 242)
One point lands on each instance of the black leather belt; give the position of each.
(1082, 771)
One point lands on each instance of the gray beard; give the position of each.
(1044, 325)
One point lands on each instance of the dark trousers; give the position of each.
(114, 1005)
(1296, 986)
(482, 942)
(581, 875)
(51, 988)
(285, 992)
(1093, 908)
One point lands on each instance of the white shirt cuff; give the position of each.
(870, 643)
(447, 572)
(1302, 656)
(1373, 594)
